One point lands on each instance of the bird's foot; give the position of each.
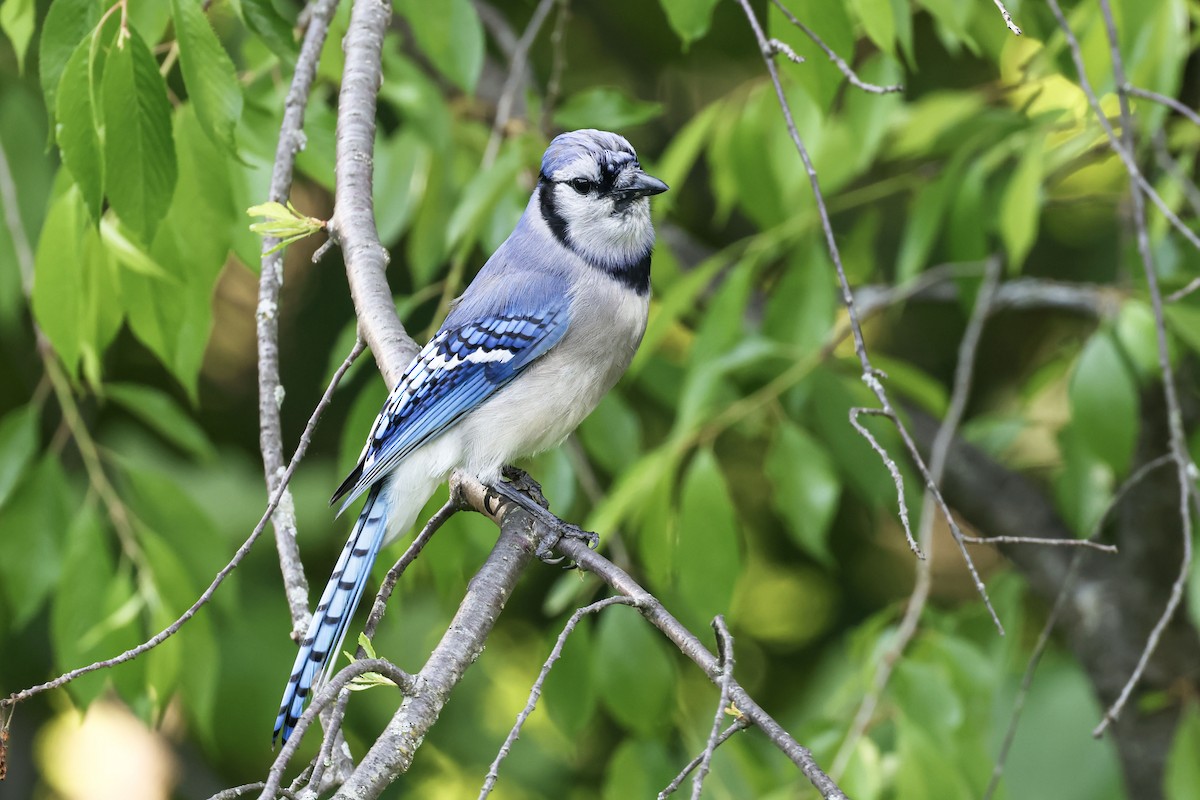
(520, 480)
(515, 490)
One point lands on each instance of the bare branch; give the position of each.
(270, 392)
(245, 789)
(1192, 286)
(892, 467)
(725, 654)
(1052, 620)
(968, 349)
(353, 220)
(1169, 102)
(775, 47)
(687, 643)
(739, 724)
(405, 682)
(870, 375)
(837, 60)
(170, 630)
(535, 693)
(1008, 20)
(1183, 463)
(512, 84)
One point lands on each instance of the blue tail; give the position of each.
(325, 633)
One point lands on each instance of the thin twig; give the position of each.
(775, 47)
(1042, 542)
(1168, 164)
(247, 788)
(405, 682)
(1183, 462)
(837, 60)
(1169, 102)
(1052, 619)
(892, 467)
(968, 350)
(535, 692)
(270, 391)
(512, 84)
(739, 724)
(870, 375)
(725, 655)
(1008, 20)
(170, 630)
(1178, 295)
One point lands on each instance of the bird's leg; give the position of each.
(525, 492)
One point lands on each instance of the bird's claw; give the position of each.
(525, 492)
(520, 480)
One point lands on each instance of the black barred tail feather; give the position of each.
(325, 633)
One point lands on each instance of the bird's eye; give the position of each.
(582, 185)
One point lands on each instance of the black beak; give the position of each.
(642, 185)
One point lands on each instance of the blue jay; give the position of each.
(542, 333)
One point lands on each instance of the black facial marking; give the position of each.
(558, 225)
(635, 275)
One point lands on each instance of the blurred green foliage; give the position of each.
(722, 472)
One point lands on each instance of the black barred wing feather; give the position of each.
(459, 368)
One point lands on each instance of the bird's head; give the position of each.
(594, 196)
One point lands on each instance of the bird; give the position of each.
(549, 324)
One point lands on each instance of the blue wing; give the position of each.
(461, 366)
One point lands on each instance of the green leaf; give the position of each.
(1182, 774)
(33, 520)
(690, 19)
(80, 123)
(634, 671)
(208, 73)
(479, 196)
(639, 768)
(17, 22)
(927, 210)
(1184, 321)
(570, 689)
(611, 434)
(806, 489)
(709, 558)
(174, 318)
(68, 22)
(605, 108)
(94, 609)
(18, 444)
(276, 33)
(1022, 202)
(139, 153)
(878, 20)
(451, 37)
(802, 305)
(161, 414)
(1104, 402)
(57, 288)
